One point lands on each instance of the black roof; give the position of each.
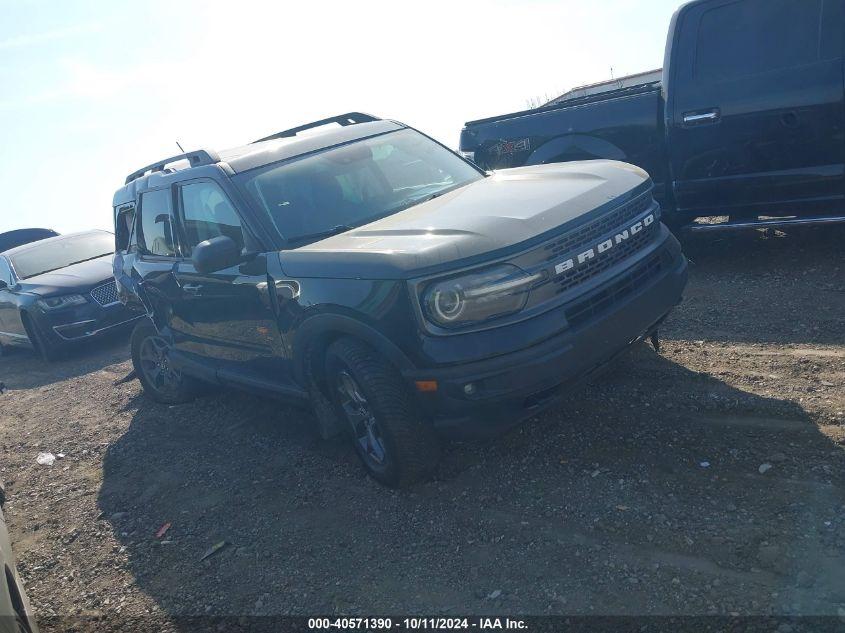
(56, 238)
(11, 239)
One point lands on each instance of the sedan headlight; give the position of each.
(478, 297)
(63, 301)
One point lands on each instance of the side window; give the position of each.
(124, 219)
(5, 273)
(157, 234)
(206, 213)
(750, 37)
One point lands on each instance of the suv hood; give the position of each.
(77, 278)
(483, 220)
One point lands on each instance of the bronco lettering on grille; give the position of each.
(605, 246)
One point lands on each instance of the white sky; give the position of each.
(90, 91)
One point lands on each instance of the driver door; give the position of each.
(229, 312)
(11, 328)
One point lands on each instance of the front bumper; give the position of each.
(86, 322)
(603, 323)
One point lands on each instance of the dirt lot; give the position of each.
(709, 479)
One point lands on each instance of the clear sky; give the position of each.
(90, 91)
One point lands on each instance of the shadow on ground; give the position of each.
(660, 490)
(31, 371)
(642, 495)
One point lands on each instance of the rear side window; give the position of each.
(124, 220)
(751, 37)
(157, 226)
(207, 213)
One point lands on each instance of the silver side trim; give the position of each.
(57, 328)
(762, 224)
(11, 335)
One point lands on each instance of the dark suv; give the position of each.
(368, 270)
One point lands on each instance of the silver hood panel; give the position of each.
(509, 208)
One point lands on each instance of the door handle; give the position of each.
(702, 117)
(191, 288)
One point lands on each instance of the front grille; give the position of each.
(591, 232)
(106, 294)
(607, 261)
(603, 300)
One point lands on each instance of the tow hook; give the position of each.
(655, 341)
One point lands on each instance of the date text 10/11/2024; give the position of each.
(418, 623)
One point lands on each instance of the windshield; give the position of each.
(351, 185)
(44, 257)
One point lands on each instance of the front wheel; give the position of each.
(40, 343)
(396, 446)
(151, 360)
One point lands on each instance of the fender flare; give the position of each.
(580, 146)
(324, 328)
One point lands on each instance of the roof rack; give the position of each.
(350, 118)
(196, 159)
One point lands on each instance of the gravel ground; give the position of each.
(707, 479)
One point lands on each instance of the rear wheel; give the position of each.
(151, 360)
(396, 446)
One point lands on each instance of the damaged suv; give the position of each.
(370, 272)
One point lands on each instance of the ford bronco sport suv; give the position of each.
(368, 270)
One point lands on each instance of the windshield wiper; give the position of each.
(313, 237)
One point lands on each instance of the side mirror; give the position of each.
(216, 254)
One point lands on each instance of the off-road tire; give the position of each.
(411, 447)
(185, 390)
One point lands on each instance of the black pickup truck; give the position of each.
(747, 120)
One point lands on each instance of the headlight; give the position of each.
(64, 301)
(478, 297)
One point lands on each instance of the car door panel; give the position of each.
(11, 327)
(158, 256)
(157, 288)
(229, 315)
(757, 135)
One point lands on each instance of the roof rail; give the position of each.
(196, 159)
(350, 118)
